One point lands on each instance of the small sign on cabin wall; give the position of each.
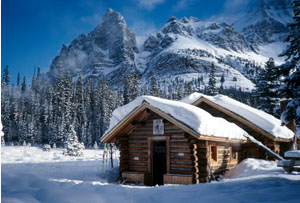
(158, 127)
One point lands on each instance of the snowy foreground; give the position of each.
(31, 175)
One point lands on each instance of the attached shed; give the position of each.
(170, 142)
(259, 124)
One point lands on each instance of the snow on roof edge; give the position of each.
(193, 117)
(259, 118)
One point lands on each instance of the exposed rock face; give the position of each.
(265, 21)
(183, 48)
(107, 50)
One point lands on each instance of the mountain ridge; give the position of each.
(183, 48)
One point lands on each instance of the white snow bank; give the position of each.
(57, 167)
(34, 184)
(195, 118)
(259, 118)
(83, 181)
(21, 154)
(294, 153)
(250, 167)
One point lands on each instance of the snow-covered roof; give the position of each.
(191, 116)
(259, 118)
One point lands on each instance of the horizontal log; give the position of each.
(180, 165)
(185, 172)
(138, 163)
(138, 149)
(145, 158)
(138, 153)
(179, 150)
(135, 136)
(134, 168)
(182, 154)
(139, 144)
(182, 169)
(181, 157)
(179, 144)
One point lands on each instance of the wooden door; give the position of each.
(159, 160)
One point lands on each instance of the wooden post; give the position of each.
(195, 155)
(168, 153)
(149, 153)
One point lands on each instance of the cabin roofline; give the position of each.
(240, 119)
(145, 105)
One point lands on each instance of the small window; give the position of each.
(250, 154)
(214, 153)
(234, 153)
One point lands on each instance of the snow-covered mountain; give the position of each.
(183, 48)
(107, 50)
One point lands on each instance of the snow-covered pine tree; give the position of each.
(132, 86)
(98, 109)
(221, 90)
(127, 89)
(120, 99)
(136, 85)
(107, 105)
(18, 80)
(81, 119)
(23, 85)
(291, 83)
(267, 87)
(58, 113)
(68, 106)
(188, 88)
(6, 77)
(179, 91)
(154, 88)
(72, 146)
(212, 84)
(5, 104)
(95, 145)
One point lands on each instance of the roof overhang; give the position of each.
(125, 122)
(240, 119)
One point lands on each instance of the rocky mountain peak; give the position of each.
(111, 46)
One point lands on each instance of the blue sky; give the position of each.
(33, 31)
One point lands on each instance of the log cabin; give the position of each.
(262, 126)
(171, 142)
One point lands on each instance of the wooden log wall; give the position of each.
(203, 160)
(266, 141)
(123, 154)
(224, 157)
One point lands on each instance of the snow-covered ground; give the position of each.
(31, 175)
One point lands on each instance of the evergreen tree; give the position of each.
(6, 77)
(23, 85)
(212, 87)
(267, 87)
(132, 86)
(154, 90)
(119, 99)
(81, 119)
(72, 145)
(291, 86)
(179, 91)
(188, 88)
(18, 80)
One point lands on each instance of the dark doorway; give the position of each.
(159, 162)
